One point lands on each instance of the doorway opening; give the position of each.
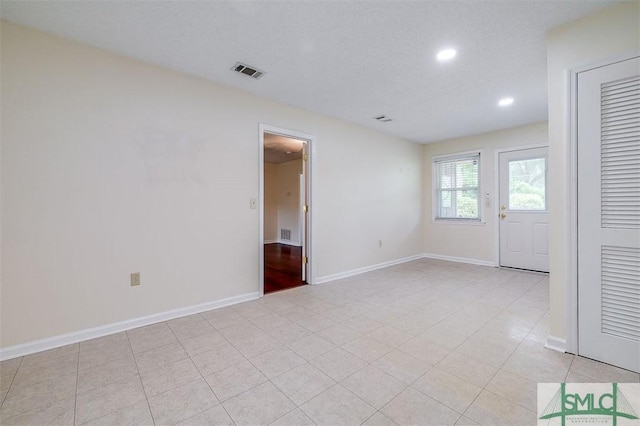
(285, 184)
(282, 267)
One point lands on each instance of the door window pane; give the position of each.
(527, 184)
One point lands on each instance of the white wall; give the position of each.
(473, 242)
(596, 38)
(282, 201)
(289, 199)
(112, 166)
(271, 233)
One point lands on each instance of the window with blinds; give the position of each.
(457, 187)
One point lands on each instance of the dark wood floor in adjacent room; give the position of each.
(282, 267)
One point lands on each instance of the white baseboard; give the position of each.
(460, 259)
(285, 242)
(340, 275)
(91, 333)
(290, 243)
(556, 344)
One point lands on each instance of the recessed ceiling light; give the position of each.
(446, 54)
(287, 152)
(505, 102)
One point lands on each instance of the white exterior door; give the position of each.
(524, 210)
(609, 214)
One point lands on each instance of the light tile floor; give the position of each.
(426, 342)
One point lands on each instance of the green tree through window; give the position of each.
(527, 184)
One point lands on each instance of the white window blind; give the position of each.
(457, 187)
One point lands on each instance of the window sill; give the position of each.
(459, 222)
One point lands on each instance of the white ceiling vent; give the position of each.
(247, 70)
(382, 118)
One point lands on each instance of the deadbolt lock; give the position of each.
(503, 207)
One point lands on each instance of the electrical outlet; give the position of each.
(135, 279)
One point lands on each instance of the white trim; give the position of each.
(460, 259)
(556, 344)
(261, 210)
(291, 243)
(284, 242)
(522, 148)
(496, 189)
(571, 181)
(456, 155)
(104, 330)
(346, 274)
(358, 271)
(472, 222)
(571, 224)
(311, 151)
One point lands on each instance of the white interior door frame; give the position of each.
(302, 232)
(571, 220)
(496, 195)
(311, 146)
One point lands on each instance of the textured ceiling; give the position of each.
(348, 59)
(280, 149)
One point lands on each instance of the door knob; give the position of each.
(502, 215)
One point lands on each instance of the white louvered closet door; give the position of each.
(609, 214)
